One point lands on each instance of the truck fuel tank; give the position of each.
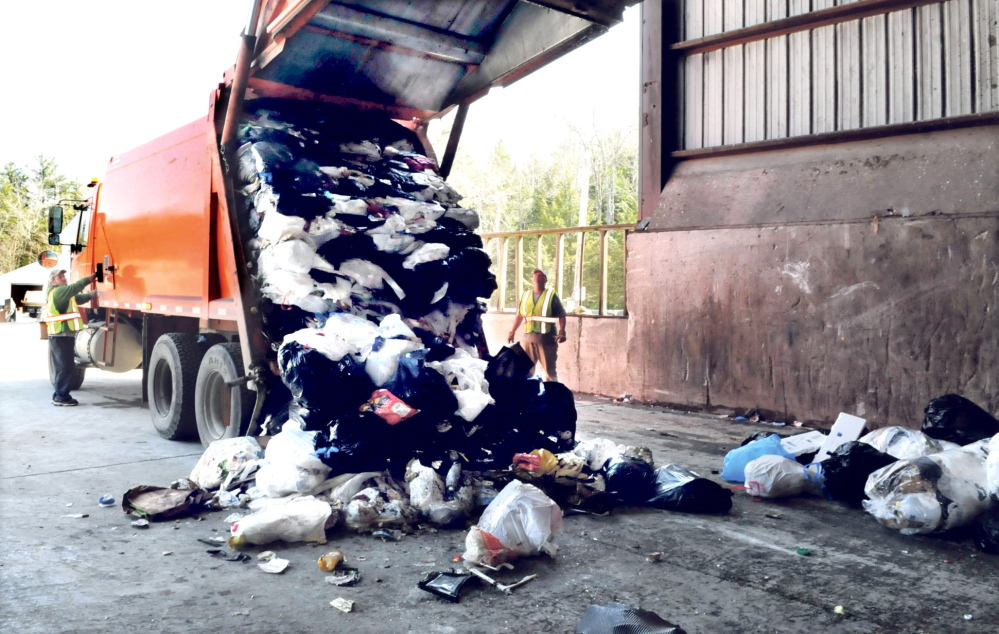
(127, 347)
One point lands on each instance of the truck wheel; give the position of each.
(221, 411)
(173, 369)
(75, 379)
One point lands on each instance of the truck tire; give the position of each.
(75, 380)
(221, 411)
(173, 369)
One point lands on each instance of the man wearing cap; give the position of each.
(63, 321)
(540, 311)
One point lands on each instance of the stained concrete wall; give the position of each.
(858, 277)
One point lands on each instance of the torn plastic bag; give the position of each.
(370, 275)
(986, 531)
(446, 585)
(275, 227)
(462, 370)
(599, 450)
(734, 469)
(683, 491)
(775, 477)
(158, 504)
(297, 520)
(992, 469)
(428, 252)
(221, 457)
(845, 471)
(630, 480)
(330, 345)
(259, 161)
(384, 505)
(520, 521)
(382, 362)
(411, 210)
(955, 418)
(904, 443)
(931, 494)
(291, 463)
(296, 256)
(427, 492)
(360, 333)
(467, 217)
(617, 618)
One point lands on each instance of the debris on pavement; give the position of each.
(445, 584)
(677, 489)
(344, 605)
(956, 419)
(331, 560)
(225, 555)
(521, 521)
(734, 469)
(106, 500)
(654, 558)
(344, 576)
(77, 516)
(158, 504)
(274, 565)
(141, 523)
(617, 618)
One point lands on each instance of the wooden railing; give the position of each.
(555, 257)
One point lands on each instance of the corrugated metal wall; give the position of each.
(915, 64)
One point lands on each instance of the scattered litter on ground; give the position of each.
(344, 605)
(77, 516)
(804, 552)
(654, 558)
(106, 500)
(274, 565)
(839, 610)
(446, 584)
(142, 523)
(225, 555)
(331, 560)
(344, 576)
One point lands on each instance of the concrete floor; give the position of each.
(735, 573)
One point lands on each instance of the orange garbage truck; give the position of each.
(164, 229)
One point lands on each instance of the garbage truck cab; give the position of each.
(161, 229)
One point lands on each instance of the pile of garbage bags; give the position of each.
(913, 481)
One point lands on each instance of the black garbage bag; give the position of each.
(348, 247)
(422, 286)
(680, 490)
(355, 443)
(470, 277)
(438, 348)
(506, 371)
(549, 413)
(422, 388)
(326, 389)
(845, 471)
(280, 321)
(452, 233)
(986, 531)
(955, 418)
(617, 618)
(630, 480)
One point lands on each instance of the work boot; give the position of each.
(69, 401)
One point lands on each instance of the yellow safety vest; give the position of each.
(57, 323)
(537, 315)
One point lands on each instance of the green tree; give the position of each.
(25, 195)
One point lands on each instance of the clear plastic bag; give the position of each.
(930, 494)
(775, 477)
(904, 443)
(292, 465)
(383, 361)
(297, 520)
(522, 519)
(219, 457)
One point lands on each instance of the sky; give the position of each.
(85, 80)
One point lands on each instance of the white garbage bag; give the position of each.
(297, 520)
(775, 477)
(382, 363)
(992, 470)
(428, 252)
(520, 521)
(221, 457)
(292, 465)
(904, 443)
(930, 494)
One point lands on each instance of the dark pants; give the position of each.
(61, 349)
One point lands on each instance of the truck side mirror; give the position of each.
(54, 239)
(55, 223)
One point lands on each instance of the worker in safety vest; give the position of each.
(62, 319)
(541, 311)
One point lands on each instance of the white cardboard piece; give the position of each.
(803, 443)
(846, 428)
